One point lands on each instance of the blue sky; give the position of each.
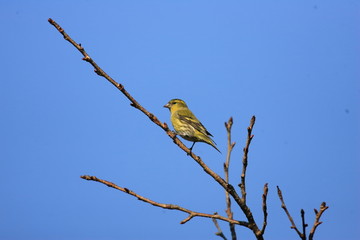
(292, 64)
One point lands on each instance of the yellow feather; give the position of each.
(187, 125)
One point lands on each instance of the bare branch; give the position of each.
(304, 225)
(293, 225)
(228, 187)
(219, 232)
(317, 222)
(245, 159)
(163, 205)
(119, 86)
(264, 207)
(231, 145)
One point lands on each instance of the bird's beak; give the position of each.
(167, 106)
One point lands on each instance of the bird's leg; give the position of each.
(191, 148)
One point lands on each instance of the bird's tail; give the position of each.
(213, 144)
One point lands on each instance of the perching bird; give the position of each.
(187, 125)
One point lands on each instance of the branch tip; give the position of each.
(86, 177)
(253, 120)
(264, 207)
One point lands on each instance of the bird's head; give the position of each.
(175, 104)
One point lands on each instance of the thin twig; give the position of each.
(264, 207)
(228, 187)
(245, 158)
(304, 225)
(293, 225)
(231, 145)
(317, 222)
(219, 232)
(163, 205)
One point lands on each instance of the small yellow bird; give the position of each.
(187, 125)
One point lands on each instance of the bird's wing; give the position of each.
(188, 117)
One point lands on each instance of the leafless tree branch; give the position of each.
(231, 145)
(163, 205)
(264, 207)
(283, 206)
(219, 232)
(304, 225)
(245, 159)
(317, 222)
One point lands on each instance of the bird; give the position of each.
(187, 125)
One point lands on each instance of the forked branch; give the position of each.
(283, 206)
(317, 222)
(164, 205)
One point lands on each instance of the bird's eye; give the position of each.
(174, 102)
